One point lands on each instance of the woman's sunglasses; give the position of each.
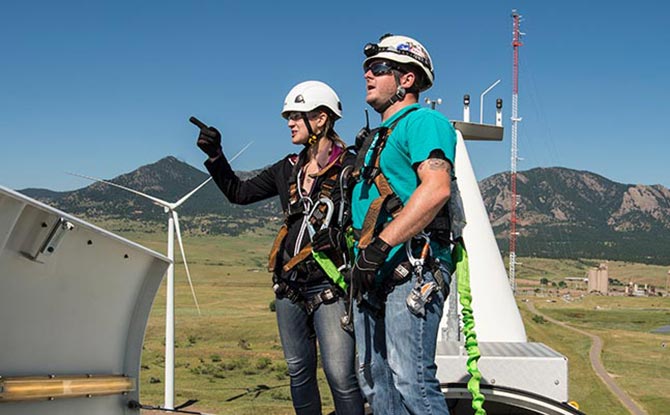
(294, 116)
(297, 115)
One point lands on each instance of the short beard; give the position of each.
(378, 106)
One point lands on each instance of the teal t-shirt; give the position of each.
(410, 143)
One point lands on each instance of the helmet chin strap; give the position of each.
(312, 137)
(400, 93)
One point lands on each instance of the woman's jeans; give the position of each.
(396, 352)
(299, 334)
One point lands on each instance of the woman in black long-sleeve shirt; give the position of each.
(311, 186)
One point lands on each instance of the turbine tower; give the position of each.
(173, 227)
(516, 43)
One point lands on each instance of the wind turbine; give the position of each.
(173, 225)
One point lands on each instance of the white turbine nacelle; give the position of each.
(75, 301)
(173, 227)
(173, 221)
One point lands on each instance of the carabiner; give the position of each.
(425, 250)
(330, 208)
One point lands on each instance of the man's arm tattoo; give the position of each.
(436, 164)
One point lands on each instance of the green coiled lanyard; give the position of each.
(460, 257)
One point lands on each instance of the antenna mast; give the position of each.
(516, 43)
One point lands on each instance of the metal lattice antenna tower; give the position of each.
(516, 43)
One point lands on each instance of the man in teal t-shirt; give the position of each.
(409, 162)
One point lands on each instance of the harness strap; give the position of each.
(439, 279)
(282, 289)
(328, 166)
(301, 256)
(363, 150)
(327, 296)
(368, 230)
(327, 185)
(326, 264)
(386, 193)
(272, 260)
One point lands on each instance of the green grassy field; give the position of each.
(233, 348)
(232, 351)
(585, 387)
(637, 359)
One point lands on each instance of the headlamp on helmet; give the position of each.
(371, 49)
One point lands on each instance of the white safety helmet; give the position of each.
(405, 50)
(310, 95)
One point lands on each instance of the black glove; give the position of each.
(328, 239)
(209, 139)
(364, 271)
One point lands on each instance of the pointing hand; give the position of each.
(209, 139)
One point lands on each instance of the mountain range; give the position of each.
(168, 179)
(562, 213)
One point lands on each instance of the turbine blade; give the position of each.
(183, 255)
(95, 179)
(240, 152)
(183, 199)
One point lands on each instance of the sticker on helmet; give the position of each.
(414, 48)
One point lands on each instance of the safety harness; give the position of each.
(388, 200)
(371, 172)
(371, 143)
(315, 213)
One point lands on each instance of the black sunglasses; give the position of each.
(379, 68)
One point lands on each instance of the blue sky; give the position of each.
(101, 88)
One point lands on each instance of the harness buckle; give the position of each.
(393, 204)
(370, 173)
(327, 295)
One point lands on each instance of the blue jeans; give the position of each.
(396, 352)
(299, 333)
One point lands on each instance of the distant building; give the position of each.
(637, 290)
(577, 283)
(599, 280)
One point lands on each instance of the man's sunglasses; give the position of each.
(379, 68)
